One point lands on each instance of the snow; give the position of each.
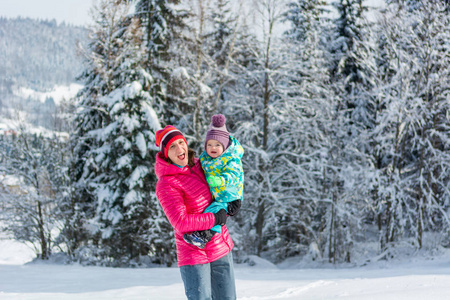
(131, 197)
(129, 123)
(58, 93)
(151, 117)
(10, 126)
(13, 253)
(137, 176)
(124, 161)
(180, 73)
(141, 144)
(9, 180)
(415, 278)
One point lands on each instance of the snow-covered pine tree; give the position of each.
(346, 162)
(189, 91)
(220, 44)
(413, 128)
(304, 17)
(347, 30)
(350, 75)
(163, 23)
(250, 104)
(126, 210)
(99, 61)
(304, 126)
(126, 221)
(220, 38)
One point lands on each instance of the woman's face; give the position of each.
(178, 153)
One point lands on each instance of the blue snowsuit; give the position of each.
(228, 166)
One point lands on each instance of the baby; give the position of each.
(221, 162)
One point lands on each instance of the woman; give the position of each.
(184, 194)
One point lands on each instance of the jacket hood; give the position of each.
(234, 150)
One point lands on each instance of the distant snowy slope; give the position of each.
(9, 125)
(57, 93)
(39, 66)
(38, 54)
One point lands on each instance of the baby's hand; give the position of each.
(234, 207)
(214, 181)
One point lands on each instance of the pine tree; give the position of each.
(163, 23)
(189, 87)
(99, 59)
(221, 46)
(412, 172)
(117, 162)
(221, 36)
(255, 71)
(124, 185)
(346, 160)
(305, 130)
(348, 28)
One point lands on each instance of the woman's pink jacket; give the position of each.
(184, 194)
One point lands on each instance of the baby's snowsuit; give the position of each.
(228, 166)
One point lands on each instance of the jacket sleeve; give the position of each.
(173, 205)
(232, 172)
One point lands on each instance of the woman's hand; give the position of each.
(220, 217)
(234, 207)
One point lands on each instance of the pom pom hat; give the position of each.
(166, 136)
(218, 131)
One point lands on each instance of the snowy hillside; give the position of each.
(39, 112)
(38, 69)
(58, 93)
(38, 54)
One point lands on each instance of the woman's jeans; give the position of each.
(210, 281)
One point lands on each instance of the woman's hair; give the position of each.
(191, 156)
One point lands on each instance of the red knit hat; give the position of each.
(166, 136)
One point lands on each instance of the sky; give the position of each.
(75, 12)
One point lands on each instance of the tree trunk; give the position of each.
(44, 246)
(260, 219)
(266, 95)
(420, 204)
(331, 238)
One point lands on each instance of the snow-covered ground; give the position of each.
(412, 279)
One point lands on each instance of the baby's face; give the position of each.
(214, 148)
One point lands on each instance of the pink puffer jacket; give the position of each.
(184, 194)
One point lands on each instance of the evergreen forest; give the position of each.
(342, 109)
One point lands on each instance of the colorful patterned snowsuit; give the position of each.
(228, 166)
